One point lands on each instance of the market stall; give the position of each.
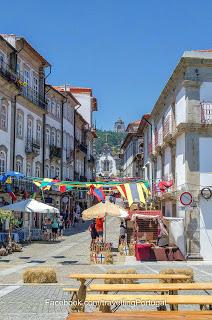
(149, 232)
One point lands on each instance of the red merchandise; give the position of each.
(163, 185)
(142, 251)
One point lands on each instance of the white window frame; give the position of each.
(3, 161)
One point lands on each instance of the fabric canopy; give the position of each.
(100, 210)
(30, 205)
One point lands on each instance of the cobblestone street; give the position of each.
(19, 301)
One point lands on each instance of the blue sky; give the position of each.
(124, 49)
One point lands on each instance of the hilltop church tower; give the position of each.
(119, 126)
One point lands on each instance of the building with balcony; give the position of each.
(132, 151)
(85, 131)
(180, 135)
(22, 106)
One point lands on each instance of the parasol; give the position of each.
(102, 210)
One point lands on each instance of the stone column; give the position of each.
(192, 176)
(193, 110)
(192, 232)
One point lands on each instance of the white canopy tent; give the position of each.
(30, 206)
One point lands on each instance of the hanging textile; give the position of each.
(122, 190)
(163, 185)
(98, 193)
(135, 193)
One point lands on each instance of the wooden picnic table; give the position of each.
(83, 277)
(144, 315)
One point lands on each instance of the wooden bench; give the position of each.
(159, 301)
(143, 315)
(151, 287)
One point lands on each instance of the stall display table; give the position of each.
(166, 254)
(142, 251)
(4, 236)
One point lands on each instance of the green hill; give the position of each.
(113, 139)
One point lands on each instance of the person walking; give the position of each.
(49, 229)
(44, 229)
(93, 231)
(100, 227)
(61, 226)
(55, 227)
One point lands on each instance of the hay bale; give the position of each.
(186, 271)
(40, 275)
(3, 251)
(121, 281)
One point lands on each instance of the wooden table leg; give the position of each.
(162, 308)
(103, 307)
(173, 307)
(78, 301)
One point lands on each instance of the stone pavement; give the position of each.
(19, 301)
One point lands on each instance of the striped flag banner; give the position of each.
(136, 192)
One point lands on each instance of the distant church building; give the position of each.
(119, 126)
(106, 164)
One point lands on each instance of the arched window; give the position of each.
(19, 164)
(38, 132)
(58, 111)
(58, 138)
(3, 162)
(53, 137)
(46, 171)
(3, 117)
(28, 169)
(57, 172)
(54, 108)
(37, 170)
(52, 172)
(49, 105)
(47, 136)
(20, 125)
(29, 128)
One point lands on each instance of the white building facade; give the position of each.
(177, 147)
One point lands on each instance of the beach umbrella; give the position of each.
(101, 210)
(104, 209)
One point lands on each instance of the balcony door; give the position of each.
(26, 80)
(29, 129)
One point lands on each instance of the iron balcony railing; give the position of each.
(25, 90)
(32, 146)
(7, 72)
(55, 152)
(206, 112)
(156, 138)
(167, 126)
(33, 96)
(83, 148)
